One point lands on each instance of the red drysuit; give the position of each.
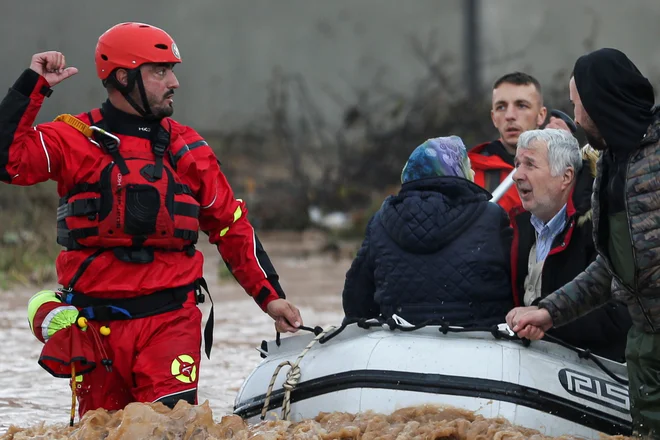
(129, 231)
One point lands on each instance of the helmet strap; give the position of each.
(134, 77)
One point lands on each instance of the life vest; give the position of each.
(129, 203)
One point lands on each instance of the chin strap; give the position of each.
(134, 77)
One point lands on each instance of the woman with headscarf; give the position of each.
(438, 252)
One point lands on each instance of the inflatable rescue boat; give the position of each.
(549, 386)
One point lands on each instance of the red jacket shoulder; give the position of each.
(187, 132)
(478, 149)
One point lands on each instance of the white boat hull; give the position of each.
(543, 386)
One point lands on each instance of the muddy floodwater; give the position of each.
(35, 405)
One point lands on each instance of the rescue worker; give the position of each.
(517, 106)
(136, 187)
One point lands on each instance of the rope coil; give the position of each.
(292, 377)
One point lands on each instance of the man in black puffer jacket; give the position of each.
(438, 252)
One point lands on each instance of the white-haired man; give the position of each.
(553, 235)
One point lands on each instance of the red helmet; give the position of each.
(129, 45)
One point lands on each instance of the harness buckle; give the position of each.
(111, 144)
(105, 133)
(161, 142)
(199, 294)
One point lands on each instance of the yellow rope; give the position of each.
(73, 393)
(75, 123)
(292, 378)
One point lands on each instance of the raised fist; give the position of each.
(52, 66)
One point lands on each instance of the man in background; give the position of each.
(517, 106)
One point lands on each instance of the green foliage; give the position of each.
(27, 234)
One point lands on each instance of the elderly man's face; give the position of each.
(541, 193)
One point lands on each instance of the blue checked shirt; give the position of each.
(546, 232)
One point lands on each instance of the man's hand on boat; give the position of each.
(529, 322)
(286, 315)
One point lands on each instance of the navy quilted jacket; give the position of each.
(438, 251)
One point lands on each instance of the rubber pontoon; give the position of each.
(543, 385)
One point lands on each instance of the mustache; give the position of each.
(169, 94)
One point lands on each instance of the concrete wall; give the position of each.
(231, 48)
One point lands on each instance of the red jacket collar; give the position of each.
(481, 162)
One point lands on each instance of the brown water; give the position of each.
(34, 405)
(155, 421)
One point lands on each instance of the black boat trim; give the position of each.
(448, 385)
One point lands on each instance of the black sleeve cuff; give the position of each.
(274, 281)
(28, 80)
(263, 296)
(267, 266)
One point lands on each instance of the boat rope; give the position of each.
(292, 376)
(586, 354)
(445, 328)
(316, 330)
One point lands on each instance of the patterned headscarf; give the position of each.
(442, 156)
